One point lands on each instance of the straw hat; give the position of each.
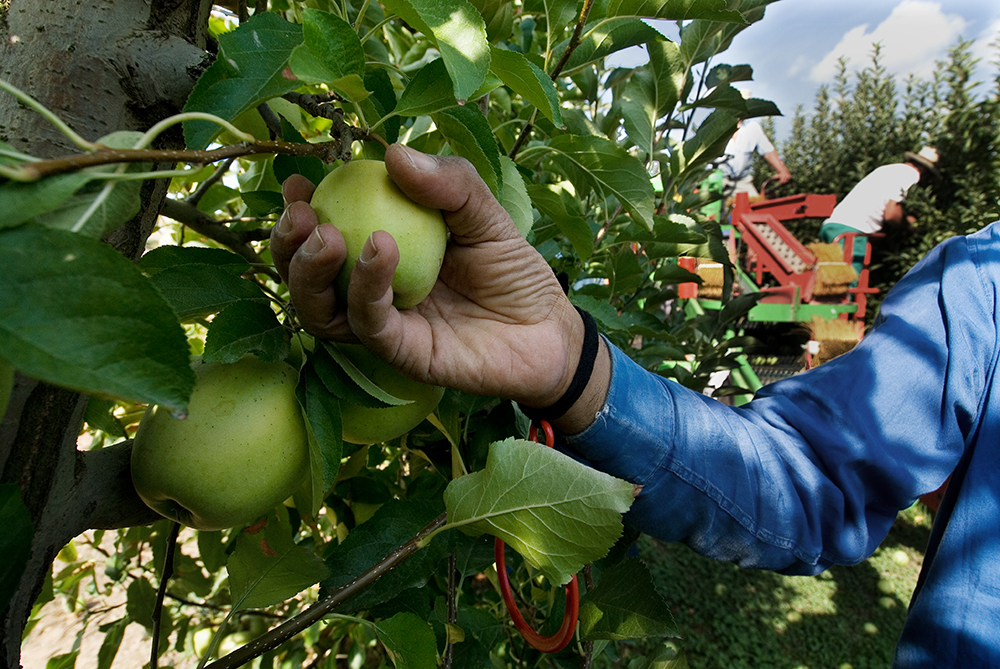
(928, 159)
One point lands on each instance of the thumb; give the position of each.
(451, 184)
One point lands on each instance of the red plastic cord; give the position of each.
(559, 640)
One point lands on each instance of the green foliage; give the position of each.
(568, 147)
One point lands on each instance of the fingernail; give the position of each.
(420, 161)
(314, 244)
(369, 252)
(285, 223)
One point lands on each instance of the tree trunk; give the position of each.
(101, 66)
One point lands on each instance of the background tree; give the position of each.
(568, 148)
(865, 122)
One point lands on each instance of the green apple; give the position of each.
(241, 450)
(359, 198)
(370, 425)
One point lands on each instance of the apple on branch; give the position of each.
(242, 449)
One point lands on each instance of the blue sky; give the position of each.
(795, 48)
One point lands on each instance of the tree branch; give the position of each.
(325, 151)
(275, 637)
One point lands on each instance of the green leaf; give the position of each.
(268, 567)
(164, 257)
(556, 512)
(331, 54)
(285, 165)
(263, 202)
(104, 205)
(430, 90)
(527, 80)
(359, 378)
(597, 164)
(141, 602)
(515, 196)
(99, 416)
(409, 641)
(625, 605)
(15, 540)
(245, 327)
(605, 37)
(728, 74)
(715, 10)
(22, 202)
(469, 135)
(63, 661)
(113, 635)
(639, 110)
(249, 70)
(561, 205)
(458, 31)
(395, 523)
(196, 290)
(326, 443)
(75, 313)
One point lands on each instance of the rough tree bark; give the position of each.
(102, 65)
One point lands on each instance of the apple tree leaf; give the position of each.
(558, 203)
(103, 205)
(15, 540)
(197, 289)
(285, 165)
(515, 196)
(711, 10)
(22, 202)
(528, 80)
(596, 164)
(469, 135)
(267, 567)
(459, 33)
(408, 640)
(556, 512)
(393, 524)
(625, 605)
(75, 313)
(604, 38)
(326, 443)
(249, 69)
(245, 327)
(331, 54)
(359, 378)
(164, 257)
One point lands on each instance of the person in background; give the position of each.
(810, 473)
(877, 201)
(737, 176)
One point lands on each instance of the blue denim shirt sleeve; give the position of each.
(813, 471)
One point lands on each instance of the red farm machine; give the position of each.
(811, 289)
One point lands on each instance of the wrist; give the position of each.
(583, 385)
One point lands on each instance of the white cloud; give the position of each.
(915, 35)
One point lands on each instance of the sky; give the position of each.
(795, 48)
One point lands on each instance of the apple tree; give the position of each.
(142, 148)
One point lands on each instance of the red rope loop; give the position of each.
(559, 640)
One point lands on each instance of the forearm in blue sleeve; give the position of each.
(814, 470)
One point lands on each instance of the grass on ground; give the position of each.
(844, 618)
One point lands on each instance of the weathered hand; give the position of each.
(497, 321)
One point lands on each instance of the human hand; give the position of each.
(496, 323)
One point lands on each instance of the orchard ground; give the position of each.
(847, 617)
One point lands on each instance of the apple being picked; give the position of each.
(370, 425)
(241, 451)
(359, 198)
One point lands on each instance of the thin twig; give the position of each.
(161, 592)
(277, 636)
(326, 151)
(574, 42)
(220, 171)
(452, 609)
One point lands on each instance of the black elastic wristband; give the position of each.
(584, 369)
